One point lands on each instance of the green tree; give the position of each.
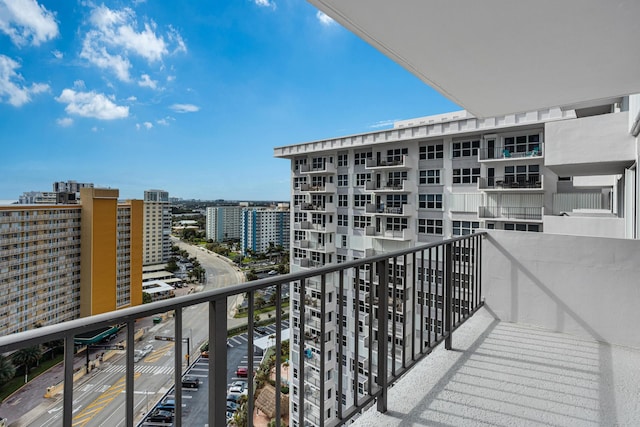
(172, 265)
(146, 298)
(7, 370)
(27, 357)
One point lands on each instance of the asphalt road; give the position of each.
(99, 397)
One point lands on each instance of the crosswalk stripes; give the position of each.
(143, 369)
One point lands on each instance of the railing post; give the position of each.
(129, 382)
(382, 268)
(177, 366)
(217, 361)
(448, 288)
(67, 410)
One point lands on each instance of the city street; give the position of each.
(99, 397)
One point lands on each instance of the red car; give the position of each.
(241, 372)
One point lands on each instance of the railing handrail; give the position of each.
(58, 331)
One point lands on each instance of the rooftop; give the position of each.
(507, 374)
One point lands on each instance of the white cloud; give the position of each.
(148, 125)
(383, 123)
(165, 121)
(265, 3)
(12, 86)
(132, 99)
(79, 84)
(57, 54)
(25, 21)
(114, 36)
(145, 81)
(94, 129)
(91, 104)
(324, 18)
(65, 122)
(171, 78)
(184, 108)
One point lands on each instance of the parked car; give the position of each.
(190, 382)
(239, 383)
(167, 405)
(272, 273)
(242, 372)
(232, 406)
(160, 416)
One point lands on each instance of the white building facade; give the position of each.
(224, 223)
(441, 176)
(262, 227)
(157, 227)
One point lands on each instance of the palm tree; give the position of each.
(27, 356)
(7, 370)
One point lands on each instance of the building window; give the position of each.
(522, 176)
(361, 221)
(430, 201)
(466, 148)
(432, 151)
(466, 175)
(361, 158)
(343, 180)
(299, 162)
(396, 155)
(343, 160)
(343, 220)
(522, 143)
(360, 200)
(396, 224)
(462, 228)
(522, 227)
(343, 200)
(429, 177)
(362, 179)
(430, 226)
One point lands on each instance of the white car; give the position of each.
(138, 355)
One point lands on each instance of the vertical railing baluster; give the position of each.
(382, 268)
(177, 366)
(356, 352)
(250, 367)
(414, 299)
(278, 354)
(393, 316)
(129, 385)
(404, 311)
(480, 271)
(467, 280)
(422, 302)
(371, 299)
(301, 373)
(447, 285)
(339, 340)
(439, 288)
(323, 331)
(458, 283)
(67, 408)
(217, 361)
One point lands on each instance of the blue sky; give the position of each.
(189, 97)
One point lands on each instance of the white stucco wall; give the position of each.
(595, 145)
(584, 226)
(584, 286)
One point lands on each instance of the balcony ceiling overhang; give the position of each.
(496, 57)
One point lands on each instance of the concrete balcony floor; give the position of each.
(509, 374)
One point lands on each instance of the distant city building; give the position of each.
(224, 223)
(38, 198)
(157, 227)
(60, 262)
(64, 192)
(260, 227)
(70, 186)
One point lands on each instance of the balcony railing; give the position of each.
(512, 152)
(431, 270)
(511, 182)
(507, 212)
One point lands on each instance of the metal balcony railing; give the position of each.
(419, 268)
(508, 212)
(519, 151)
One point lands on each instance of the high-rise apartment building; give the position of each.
(60, 262)
(157, 227)
(224, 223)
(422, 181)
(262, 227)
(70, 186)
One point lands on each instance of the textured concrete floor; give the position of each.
(506, 374)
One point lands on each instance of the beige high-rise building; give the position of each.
(157, 227)
(60, 262)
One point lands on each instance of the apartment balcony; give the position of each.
(510, 183)
(511, 213)
(326, 187)
(519, 153)
(401, 235)
(393, 186)
(324, 169)
(536, 338)
(382, 210)
(395, 163)
(595, 145)
(317, 207)
(303, 225)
